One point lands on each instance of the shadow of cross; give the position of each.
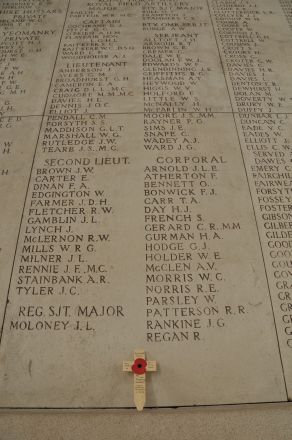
(139, 367)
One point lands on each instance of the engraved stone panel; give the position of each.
(145, 201)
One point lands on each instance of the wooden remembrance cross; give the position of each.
(139, 367)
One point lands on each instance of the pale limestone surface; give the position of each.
(271, 422)
(226, 352)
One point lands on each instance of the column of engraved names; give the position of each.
(177, 71)
(13, 151)
(187, 290)
(183, 260)
(30, 32)
(65, 234)
(64, 265)
(261, 96)
(97, 69)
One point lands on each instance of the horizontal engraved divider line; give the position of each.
(110, 408)
(147, 113)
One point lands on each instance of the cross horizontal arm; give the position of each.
(127, 365)
(151, 366)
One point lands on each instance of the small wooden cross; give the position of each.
(139, 367)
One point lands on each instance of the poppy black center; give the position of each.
(139, 366)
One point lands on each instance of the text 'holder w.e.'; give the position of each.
(140, 366)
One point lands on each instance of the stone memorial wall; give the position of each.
(145, 187)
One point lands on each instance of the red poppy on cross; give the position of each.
(139, 367)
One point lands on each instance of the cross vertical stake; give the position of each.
(139, 367)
